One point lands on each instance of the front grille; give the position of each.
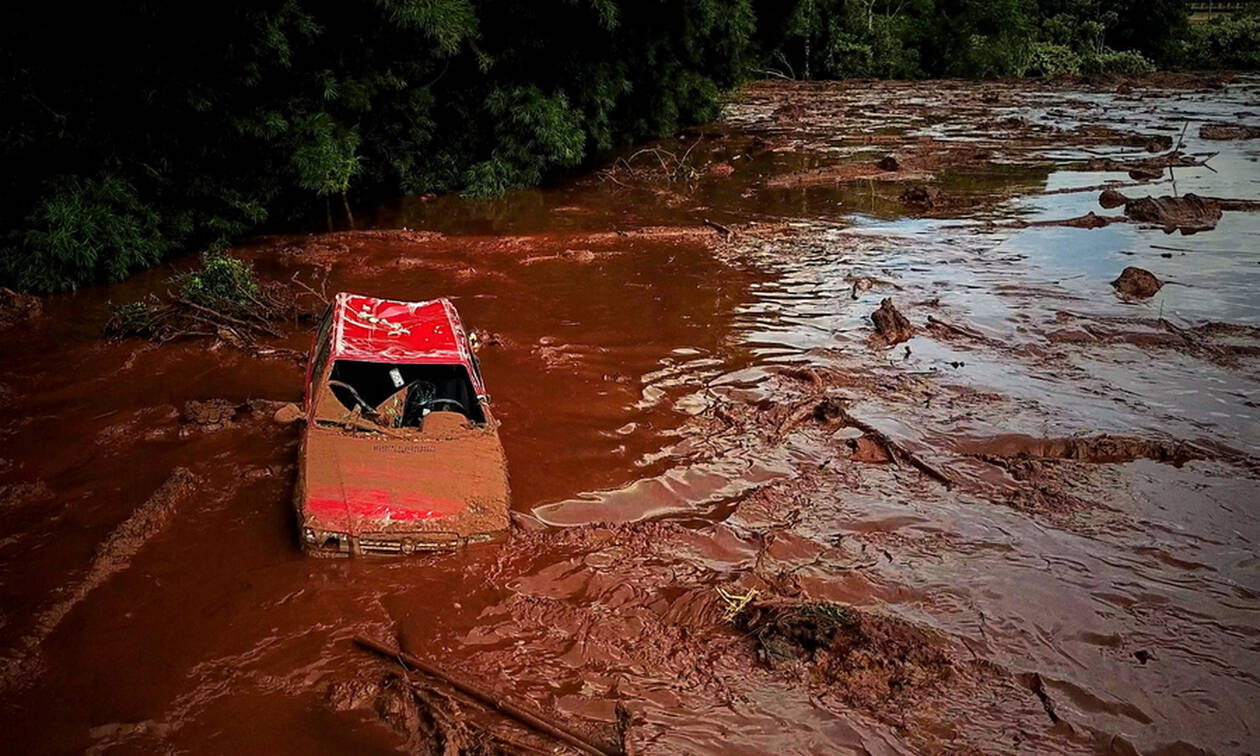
(378, 543)
(376, 546)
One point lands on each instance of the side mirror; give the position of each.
(288, 414)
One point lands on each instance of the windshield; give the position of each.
(400, 396)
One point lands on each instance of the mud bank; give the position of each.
(745, 521)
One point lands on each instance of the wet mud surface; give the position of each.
(1021, 519)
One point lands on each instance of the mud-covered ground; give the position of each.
(1021, 518)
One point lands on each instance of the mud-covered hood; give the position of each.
(368, 483)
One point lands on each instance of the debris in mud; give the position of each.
(1145, 169)
(1137, 283)
(922, 196)
(1111, 197)
(1146, 173)
(842, 173)
(287, 414)
(1228, 131)
(1222, 343)
(890, 324)
(429, 722)
(18, 308)
(480, 337)
(211, 414)
(1039, 689)
(655, 165)
(1103, 448)
(868, 660)
(559, 732)
(827, 410)
(223, 300)
(1189, 213)
(719, 170)
(1088, 220)
(14, 495)
(867, 450)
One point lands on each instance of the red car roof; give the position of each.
(386, 330)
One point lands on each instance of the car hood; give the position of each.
(361, 482)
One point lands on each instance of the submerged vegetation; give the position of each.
(222, 299)
(135, 130)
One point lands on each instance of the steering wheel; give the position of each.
(420, 395)
(367, 408)
(456, 402)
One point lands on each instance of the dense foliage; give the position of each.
(130, 130)
(980, 38)
(1223, 42)
(133, 129)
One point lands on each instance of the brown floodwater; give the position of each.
(1043, 505)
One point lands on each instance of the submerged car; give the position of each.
(400, 452)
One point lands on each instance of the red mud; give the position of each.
(1025, 530)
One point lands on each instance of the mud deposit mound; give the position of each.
(869, 660)
(1138, 283)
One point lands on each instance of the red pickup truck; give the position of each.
(400, 452)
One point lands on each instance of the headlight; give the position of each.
(309, 535)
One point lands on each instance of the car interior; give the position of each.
(428, 388)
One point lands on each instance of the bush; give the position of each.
(1116, 62)
(1231, 42)
(223, 283)
(993, 56)
(82, 229)
(1049, 59)
(875, 50)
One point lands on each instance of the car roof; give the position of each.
(371, 329)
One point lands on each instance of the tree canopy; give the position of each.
(133, 129)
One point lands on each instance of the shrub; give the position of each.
(1225, 42)
(1116, 62)
(1053, 60)
(223, 283)
(82, 229)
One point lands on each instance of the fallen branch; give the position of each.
(830, 409)
(897, 450)
(525, 717)
(725, 231)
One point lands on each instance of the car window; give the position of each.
(427, 387)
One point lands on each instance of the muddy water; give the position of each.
(1053, 487)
